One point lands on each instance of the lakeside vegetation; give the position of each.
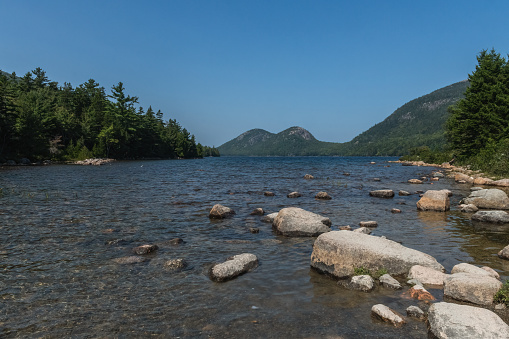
(41, 120)
(477, 130)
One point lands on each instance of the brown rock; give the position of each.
(175, 264)
(145, 249)
(395, 210)
(482, 181)
(308, 176)
(415, 181)
(434, 201)
(220, 212)
(268, 194)
(254, 230)
(258, 211)
(368, 224)
(501, 182)
(418, 292)
(322, 196)
(388, 315)
(294, 195)
(382, 193)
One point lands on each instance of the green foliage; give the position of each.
(502, 296)
(424, 153)
(379, 273)
(40, 120)
(361, 271)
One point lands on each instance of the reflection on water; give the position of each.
(63, 227)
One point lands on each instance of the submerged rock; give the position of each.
(323, 196)
(492, 198)
(308, 176)
(387, 281)
(434, 201)
(338, 253)
(220, 212)
(128, 260)
(453, 321)
(473, 288)
(404, 193)
(388, 315)
(296, 222)
(145, 249)
(504, 253)
(496, 217)
(415, 312)
(420, 293)
(268, 194)
(382, 193)
(233, 267)
(294, 195)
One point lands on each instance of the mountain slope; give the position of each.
(419, 122)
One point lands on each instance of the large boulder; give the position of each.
(482, 181)
(453, 321)
(492, 198)
(473, 288)
(338, 253)
(382, 193)
(501, 182)
(497, 217)
(463, 177)
(296, 222)
(427, 275)
(233, 267)
(220, 212)
(471, 269)
(434, 201)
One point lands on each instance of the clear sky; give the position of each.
(223, 67)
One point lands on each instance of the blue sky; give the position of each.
(223, 67)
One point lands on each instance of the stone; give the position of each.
(376, 179)
(338, 253)
(420, 293)
(233, 267)
(387, 281)
(145, 249)
(175, 264)
(368, 224)
(426, 275)
(294, 195)
(268, 194)
(435, 179)
(128, 260)
(468, 208)
(382, 193)
(415, 312)
(363, 230)
(395, 210)
(449, 193)
(500, 306)
(504, 253)
(438, 175)
(491, 271)
(482, 181)
(308, 176)
(254, 230)
(453, 321)
(492, 198)
(476, 188)
(360, 283)
(473, 288)
(471, 269)
(345, 228)
(414, 282)
(415, 181)
(270, 217)
(176, 241)
(220, 212)
(296, 222)
(404, 193)
(501, 183)
(385, 314)
(322, 196)
(434, 201)
(463, 177)
(496, 217)
(258, 211)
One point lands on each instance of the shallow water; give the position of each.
(58, 277)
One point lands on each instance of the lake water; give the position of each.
(58, 277)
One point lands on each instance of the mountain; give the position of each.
(419, 122)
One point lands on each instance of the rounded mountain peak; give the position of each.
(300, 132)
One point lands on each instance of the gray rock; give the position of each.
(468, 208)
(426, 275)
(415, 312)
(471, 269)
(338, 253)
(363, 230)
(268, 194)
(323, 196)
(414, 282)
(434, 201)
(382, 193)
(404, 193)
(472, 189)
(504, 253)
(453, 321)
(368, 224)
(385, 314)
(345, 228)
(438, 175)
(496, 217)
(472, 288)
(175, 264)
(220, 212)
(501, 182)
(294, 195)
(387, 281)
(128, 260)
(258, 211)
(296, 222)
(415, 181)
(492, 198)
(145, 249)
(492, 272)
(270, 217)
(233, 267)
(361, 283)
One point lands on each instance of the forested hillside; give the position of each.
(41, 120)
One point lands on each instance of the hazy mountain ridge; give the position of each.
(419, 122)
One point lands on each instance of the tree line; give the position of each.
(41, 120)
(477, 129)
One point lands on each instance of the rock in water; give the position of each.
(415, 181)
(296, 222)
(370, 223)
(427, 275)
(382, 193)
(504, 253)
(495, 217)
(385, 314)
(294, 195)
(233, 267)
(270, 217)
(415, 312)
(434, 201)
(359, 282)
(387, 281)
(145, 249)
(471, 269)
(338, 253)
(492, 198)
(453, 321)
(175, 264)
(308, 176)
(472, 288)
(220, 212)
(323, 196)
(258, 211)
(128, 260)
